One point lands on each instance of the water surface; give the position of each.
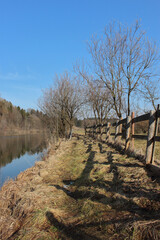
(17, 153)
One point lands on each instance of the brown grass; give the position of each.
(147, 230)
(83, 190)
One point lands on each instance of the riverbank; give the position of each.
(83, 189)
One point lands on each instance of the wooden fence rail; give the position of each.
(129, 123)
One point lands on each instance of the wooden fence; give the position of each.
(129, 123)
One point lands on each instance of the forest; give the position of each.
(15, 120)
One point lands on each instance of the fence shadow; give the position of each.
(124, 202)
(85, 188)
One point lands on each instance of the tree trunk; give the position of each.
(129, 104)
(70, 133)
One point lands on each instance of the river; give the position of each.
(17, 153)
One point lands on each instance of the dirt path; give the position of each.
(84, 190)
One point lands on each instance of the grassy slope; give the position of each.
(83, 190)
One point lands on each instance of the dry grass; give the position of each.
(29, 193)
(147, 230)
(140, 146)
(79, 131)
(83, 190)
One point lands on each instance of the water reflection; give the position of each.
(16, 146)
(24, 150)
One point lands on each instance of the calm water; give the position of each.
(18, 153)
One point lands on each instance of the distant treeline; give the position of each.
(14, 119)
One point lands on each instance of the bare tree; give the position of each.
(71, 93)
(139, 56)
(123, 61)
(150, 92)
(47, 105)
(62, 102)
(105, 53)
(99, 100)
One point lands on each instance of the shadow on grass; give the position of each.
(73, 232)
(77, 232)
(101, 148)
(126, 191)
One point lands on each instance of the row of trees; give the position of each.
(122, 67)
(16, 118)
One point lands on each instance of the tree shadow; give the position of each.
(125, 191)
(89, 148)
(73, 232)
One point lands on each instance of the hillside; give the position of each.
(15, 120)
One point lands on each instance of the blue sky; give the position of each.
(39, 38)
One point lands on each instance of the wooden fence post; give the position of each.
(108, 131)
(132, 128)
(96, 131)
(93, 132)
(128, 130)
(120, 130)
(85, 129)
(150, 139)
(116, 131)
(155, 132)
(101, 132)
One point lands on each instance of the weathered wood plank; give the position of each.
(157, 138)
(122, 121)
(112, 134)
(138, 136)
(141, 118)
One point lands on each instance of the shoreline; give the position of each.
(14, 204)
(13, 177)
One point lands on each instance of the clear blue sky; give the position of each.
(39, 38)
